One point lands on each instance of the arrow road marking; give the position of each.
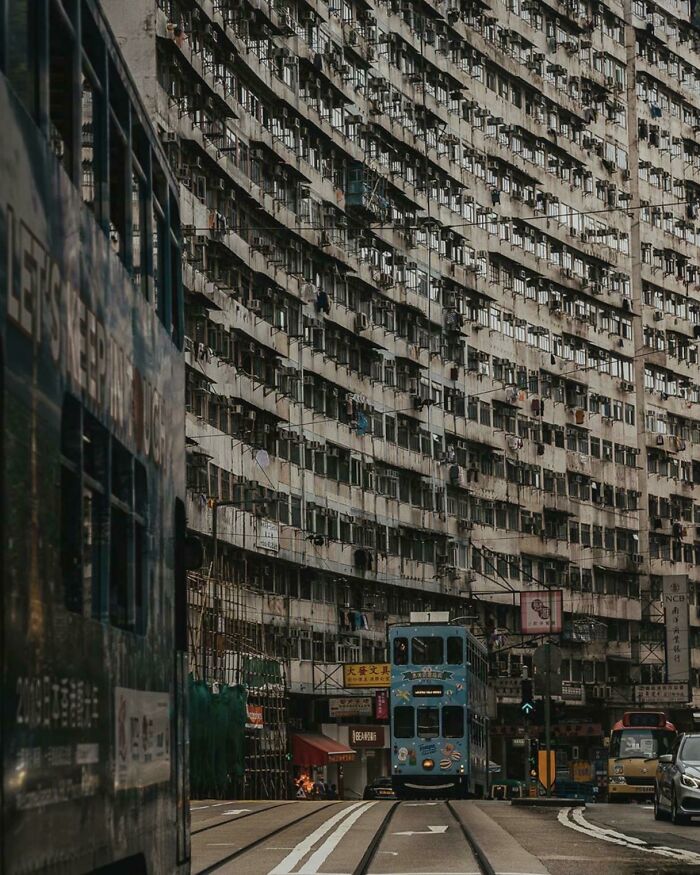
(432, 830)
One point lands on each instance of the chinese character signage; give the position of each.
(661, 694)
(541, 611)
(366, 675)
(381, 705)
(351, 706)
(142, 736)
(675, 601)
(268, 535)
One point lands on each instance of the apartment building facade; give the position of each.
(443, 308)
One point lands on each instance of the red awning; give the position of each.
(319, 750)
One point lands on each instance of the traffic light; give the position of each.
(527, 704)
(534, 750)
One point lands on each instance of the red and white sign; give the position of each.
(381, 705)
(255, 717)
(541, 611)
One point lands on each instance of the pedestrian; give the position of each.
(332, 792)
(319, 789)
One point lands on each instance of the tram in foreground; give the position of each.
(439, 724)
(92, 471)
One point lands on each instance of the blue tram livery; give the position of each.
(92, 460)
(439, 727)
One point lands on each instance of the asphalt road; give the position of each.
(436, 838)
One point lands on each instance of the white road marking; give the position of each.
(418, 804)
(303, 848)
(236, 811)
(320, 856)
(431, 830)
(579, 823)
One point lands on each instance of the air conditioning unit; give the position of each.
(361, 322)
(637, 558)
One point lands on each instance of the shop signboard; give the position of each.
(541, 611)
(268, 535)
(381, 705)
(350, 706)
(254, 716)
(675, 601)
(366, 675)
(366, 736)
(661, 694)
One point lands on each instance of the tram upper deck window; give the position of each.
(428, 722)
(400, 651)
(455, 650)
(427, 651)
(404, 721)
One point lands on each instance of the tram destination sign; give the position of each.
(421, 690)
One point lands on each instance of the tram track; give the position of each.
(249, 846)
(207, 826)
(476, 849)
(370, 853)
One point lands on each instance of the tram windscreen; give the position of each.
(404, 721)
(428, 651)
(428, 722)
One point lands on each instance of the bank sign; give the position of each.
(675, 600)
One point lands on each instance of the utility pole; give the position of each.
(548, 699)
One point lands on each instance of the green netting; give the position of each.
(257, 671)
(217, 727)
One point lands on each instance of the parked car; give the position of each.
(380, 788)
(677, 786)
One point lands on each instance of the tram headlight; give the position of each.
(428, 764)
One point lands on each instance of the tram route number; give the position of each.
(56, 703)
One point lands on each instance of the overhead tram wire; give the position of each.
(318, 419)
(377, 226)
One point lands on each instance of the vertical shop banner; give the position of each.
(381, 705)
(676, 612)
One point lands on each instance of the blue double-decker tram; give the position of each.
(439, 725)
(92, 460)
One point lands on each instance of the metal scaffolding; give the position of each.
(226, 648)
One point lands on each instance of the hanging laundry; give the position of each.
(323, 302)
(365, 624)
(362, 424)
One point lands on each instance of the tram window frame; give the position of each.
(400, 648)
(404, 719)
(448, 712)
(454, 658)
(62, 65)
(431, 642)
(426, 711)
(104, 560)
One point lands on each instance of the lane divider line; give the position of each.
(302, 849)
(319, 857)
(573, 818)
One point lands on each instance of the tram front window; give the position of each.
(427, 651)
(428, 722)
(403, 721)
